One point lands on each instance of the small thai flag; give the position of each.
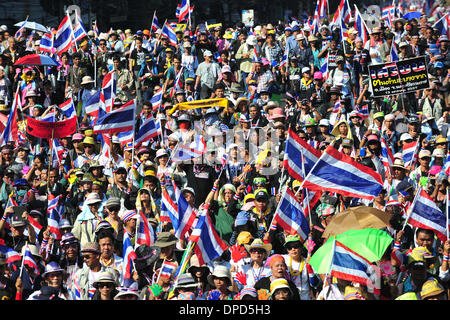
(68, 108)
(46, 43)
(156, 100)
(167, 269)
(28, 260)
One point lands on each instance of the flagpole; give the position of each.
(412, 206)
(71, 30)
(446, 210)
(23, 260)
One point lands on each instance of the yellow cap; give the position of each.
(89, 132)
(431, 288)
(248, 197)
(150, 173)
(89, 140)
(353, 293)
(244, 238)
(418, 255)
(278, 284)
(296, 184)
(407, 296)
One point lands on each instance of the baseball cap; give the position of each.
(261, 195)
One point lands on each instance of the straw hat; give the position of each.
(105, 277)
(87, 80)
(259, 244)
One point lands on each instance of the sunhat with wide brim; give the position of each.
(259, 244)
(220, 271)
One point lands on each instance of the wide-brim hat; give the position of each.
(220, 271)
(146, 256)
(195, 263)
(126, 292)
(259, 244)
(53, 267)
(186, 280)
(165, 239)
(399, 163)
(87, 80)
(105, 277)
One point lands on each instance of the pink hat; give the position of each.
(226, 68)
(265, 62)
(277, 113)
(318, 75)
(77, 136)
(434, 170)
(372, 137)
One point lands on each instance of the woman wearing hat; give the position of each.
(200, 274)
(280, 290)
(342, 130)
(70, 259)
(105, 287)
(221, 281)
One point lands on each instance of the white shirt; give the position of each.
(301, 281)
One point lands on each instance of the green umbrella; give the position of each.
(370, 243)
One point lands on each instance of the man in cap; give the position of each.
(421, 173)
(125, 81)
(373, 46)
(89, 154)
(206, 75)
(83, 282)
(54, 278)
(86, 222)
(18, 223)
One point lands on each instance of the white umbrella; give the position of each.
(33, 26)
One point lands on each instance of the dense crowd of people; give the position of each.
(271, 77)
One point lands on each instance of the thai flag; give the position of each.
(343, 28)
(95, 29)
(125, 137)
(168, 207)
(337, 172)
(105, 141)
(155, 23)
(108, 91)
(146, 132)
(427, 215)
(64, 36)
(168, 32)
(50, 116)
(177, 84)
(442, 25)
(158, 127)
(324, 69)
(55, 212)
(28, 260)
(363, 111)
(68, 108)
(46, 43)
(299, 156)
(79, 31)
(284, 60)
(209, 245)
(337, 107)
(387, 158)
(315, 23)
(57, 153)
(342, 11)
(167, 269)
(10, 133)
(93, 104)
(290, 216)
(394, 54)
(224, 160)
(323, 8)
(310, 200)
(360, 26)
(386, 11)
(21, 30)
(348, 265)
(10, 254)
(409, 152)
(36, 226)
(255, 55)
(144, 232)
(184, 10)
(119, 120)
(183, 219)
(128, 256)
(156, 100)
(187, 152)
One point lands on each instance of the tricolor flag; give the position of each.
(425, 214)
(108, 91)
(360, 26)
(324, 69)
(19, 33)
(168, 207)
(64, 36)
(337, 172)
(168, 32)
(125, 137)
(10, 133)
(93, 104)
(57, 153)
(144, 231)
(28, 260)
(343, 11)
(68, 108)
(386, 11)
(290, 215)
(155, 23)
(187, 152)
(46, 43)
(442, 25)
(323, 9)
(184, 10)
(409, 153)
(285, 59)
(122, 119)
(348, 265)
(184, 217)
(299, 156)
(394, 54)
(167, 269)
(36, 226)
(310, 199)
(55, 212)
(178, 83)
(128, 256)
(315, 23)
(10, 254)
(79, 31)
(363, 111)
(209, 245)
(146, 132)
(95, 29)
(156, 100)
(387, 158)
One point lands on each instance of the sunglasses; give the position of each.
(258, 251)
(114, 209)
(102, 285)
(292, 247)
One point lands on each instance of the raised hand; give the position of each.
(241, 278)
(237, 252)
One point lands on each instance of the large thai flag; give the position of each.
(144, 231)
(290, 216)
(299, 156)
(442, 25)
(55, 212)
(128, 256)
(10, 133)
(184, 10)
(64, 36)
(156, 100)
(427, 215)
(119, 120)
(337, 172)
(46, 43)
(155, 23)
(10, 254)
(348, 265)
(93, 104)
(187, 152)
(146, 132)
(79, 31)
(209, 245)
(409, 153)
(168, 32)
(360, 26)
(68, 108)
(28, 260)
(108, 91)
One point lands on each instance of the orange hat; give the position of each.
(146, 32)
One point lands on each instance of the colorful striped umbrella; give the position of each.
(36, 60)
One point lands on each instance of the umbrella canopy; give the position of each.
(357, 218)
(32, 25)
(412, 15)
(36, 60)
(369, 243)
